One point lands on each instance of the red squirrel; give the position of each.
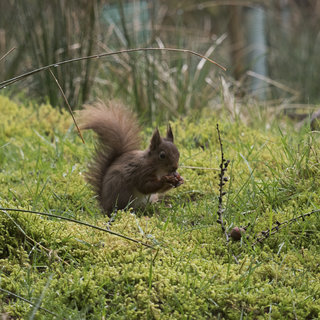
(120, 173)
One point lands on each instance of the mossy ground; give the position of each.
(78, 272)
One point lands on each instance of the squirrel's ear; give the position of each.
(155, 140)
(169, 133)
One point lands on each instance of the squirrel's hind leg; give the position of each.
(114, 196)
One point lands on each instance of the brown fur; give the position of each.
(120, 173)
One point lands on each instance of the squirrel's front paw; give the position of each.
(179, 179)
(174, 179)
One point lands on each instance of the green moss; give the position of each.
(79, 272)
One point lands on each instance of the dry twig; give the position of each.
(66, 100)
(49, 252)
(26, 300)
(78, 222)
(8, 82)
(199, 168)
(7, 53)
(280, 225)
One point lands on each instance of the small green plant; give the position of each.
(222, 181)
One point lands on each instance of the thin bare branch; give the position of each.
(66, 100)
(49, 252)
(279, 225)
(26, 300)
(199, 168)
(106, 54)
(209, 4)
(78, 222)
(272, 82)
(7, 53)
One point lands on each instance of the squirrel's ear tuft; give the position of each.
(155, 140)
(169, 133)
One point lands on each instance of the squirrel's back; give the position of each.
(118, 133)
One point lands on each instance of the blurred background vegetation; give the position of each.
(270, 49)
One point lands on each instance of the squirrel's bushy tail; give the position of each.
(118, 132)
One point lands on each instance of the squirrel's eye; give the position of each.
(162, 155)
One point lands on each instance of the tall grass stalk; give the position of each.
(49, 32)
